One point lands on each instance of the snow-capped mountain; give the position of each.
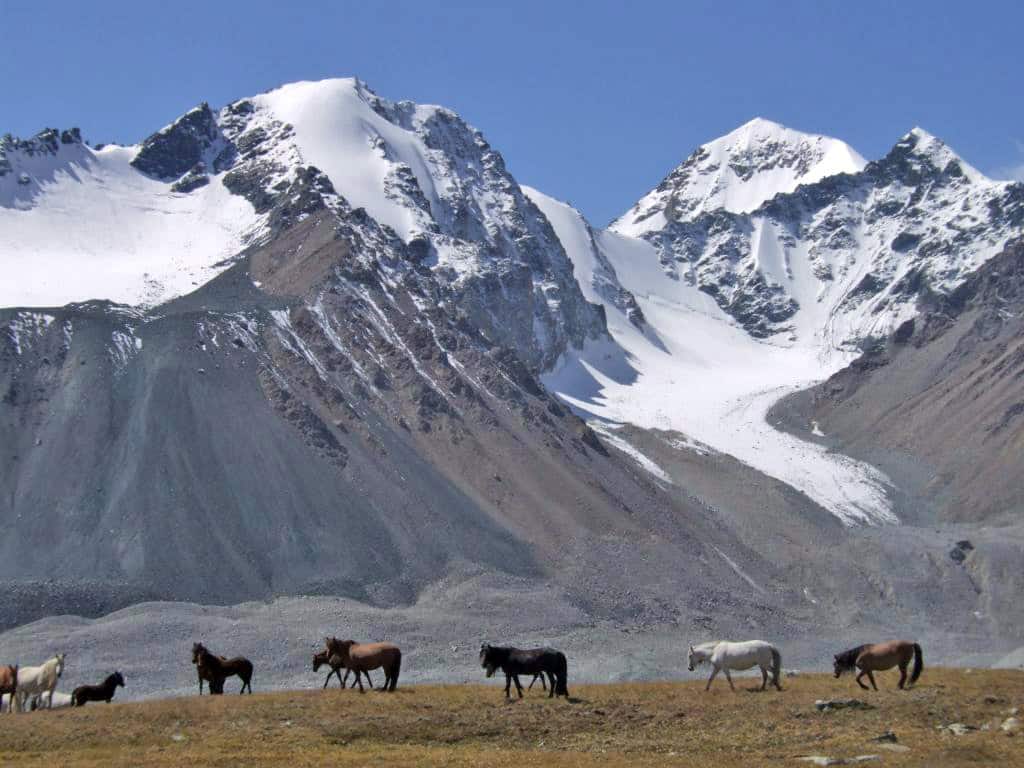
(842, 251)
(142, 224)
(347, 393)
(338, 326)
(738, 173)
(758, 274)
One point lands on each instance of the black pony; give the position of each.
(535, 661)
(102, 692)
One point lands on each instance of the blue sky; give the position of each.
(589, 102)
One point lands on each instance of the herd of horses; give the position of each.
(23, 688)
(28, 688)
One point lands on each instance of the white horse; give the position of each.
(37, 681)
(725, 655)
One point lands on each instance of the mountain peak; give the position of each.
(738, 172)
(757, 128)
(925, 149)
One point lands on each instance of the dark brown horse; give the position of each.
(9, 680)
(334, 661)
(216, 669)
(534, 661)
(879, 657)
(362, 657)
(102, 692)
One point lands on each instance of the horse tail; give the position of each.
(776, 665)
(918, 663)
(561, 675)
(396, 667)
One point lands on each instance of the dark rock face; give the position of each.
(175, 150)
(194, 179)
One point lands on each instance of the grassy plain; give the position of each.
(646, 724)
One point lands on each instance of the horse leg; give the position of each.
(519, 688)
(729, 678)
(508, 685)
(551, 679)
(903, 676)
(871, 677)
(530, 687)
(714, 672)
(858, 679)
(359, 680)
(369, 682)
(764, 678)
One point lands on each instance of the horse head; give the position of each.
(118, 679)
(197, 650)
(320, 658)
(60, 664)
(690, 659)
(845, 661)
(487, 659)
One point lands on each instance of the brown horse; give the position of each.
(879, 657)
(216, 669)
(361, 657)
(334, 661)
(9, 680)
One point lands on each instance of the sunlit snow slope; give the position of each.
(694, 370)
(81, 224)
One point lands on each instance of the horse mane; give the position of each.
(847, 659)
(710, 645)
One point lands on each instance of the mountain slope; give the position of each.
(742, 308)
(939, 402)
(81, 223)
(691, 370)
